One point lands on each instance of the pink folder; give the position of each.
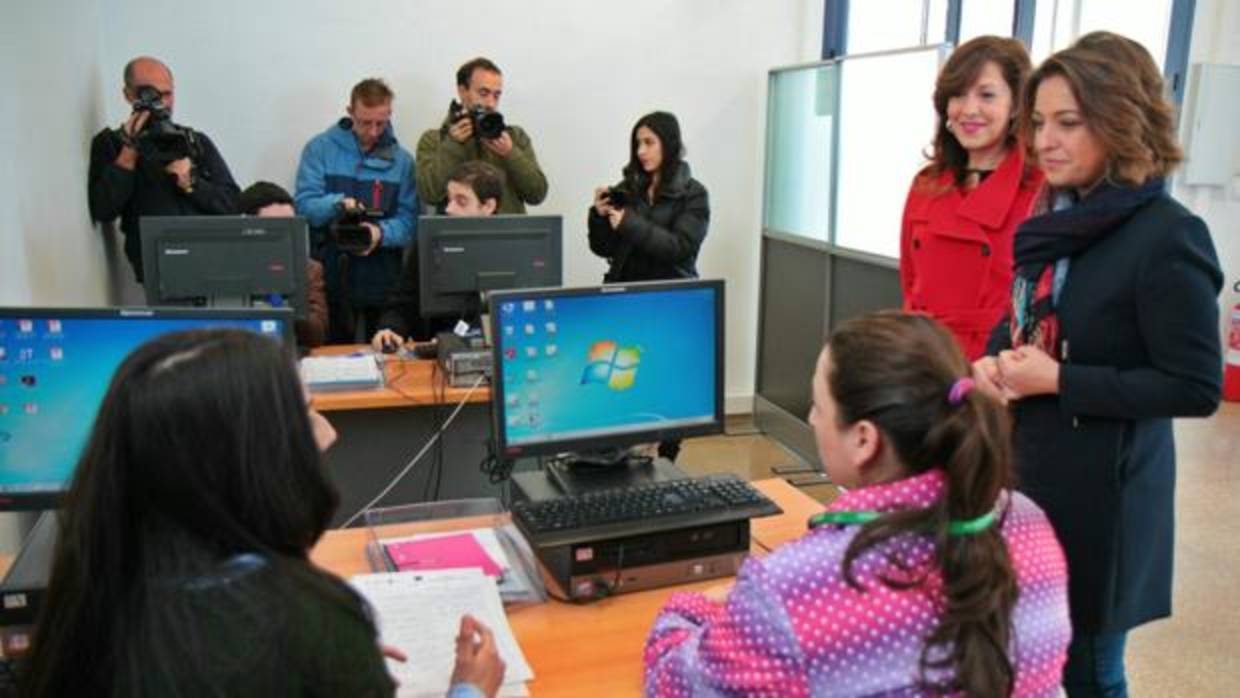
(442, 553)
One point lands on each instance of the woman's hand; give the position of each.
(615, 216)
(602, 205)
(987, 378)
(1028, 371)
(477, 659)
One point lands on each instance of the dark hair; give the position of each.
(955, 78)
(371, 92)
(202, 450)
(896, 370)
(667, 129)
(260, 195)
(466, 72)
(1126, 107)
(132, 67)
(485, 179)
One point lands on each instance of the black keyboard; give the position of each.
(639, 509)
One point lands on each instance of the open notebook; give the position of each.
(420, 612)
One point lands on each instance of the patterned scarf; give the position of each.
(1045, 245)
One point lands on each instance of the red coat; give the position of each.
(956, 248)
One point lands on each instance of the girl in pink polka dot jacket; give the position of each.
(929, 576)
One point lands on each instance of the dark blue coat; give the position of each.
(1139, 315)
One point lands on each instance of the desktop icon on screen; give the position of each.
(611, 365)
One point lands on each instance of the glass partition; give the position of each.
(886, 125)
(844, 139)
(801, 106)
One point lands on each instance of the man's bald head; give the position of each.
(143, 67)
(145, 71)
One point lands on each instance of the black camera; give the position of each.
(487, 124)
(349, 233)
(617, 197)
(161, 141)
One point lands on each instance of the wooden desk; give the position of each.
(408, 383)
(593, 649)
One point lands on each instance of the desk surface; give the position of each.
(409, 383)
(595, 648)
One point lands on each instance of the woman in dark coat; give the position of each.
(1113, 331)
(651, 225)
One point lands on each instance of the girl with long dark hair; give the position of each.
(928, 576)
(653, 226)
(181, 568)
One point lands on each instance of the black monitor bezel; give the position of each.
(34, 501)
(433, 228)
(156, 229)
(599, 443)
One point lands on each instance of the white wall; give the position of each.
(262, 78)
(51, 106)
(1216, 39)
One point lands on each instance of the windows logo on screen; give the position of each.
(611, 365)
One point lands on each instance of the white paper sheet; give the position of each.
(420, 612)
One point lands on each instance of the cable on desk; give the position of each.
(409, 466)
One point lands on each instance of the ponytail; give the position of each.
(902, 372)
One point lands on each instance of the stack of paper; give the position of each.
(420, 613)
(341, 372)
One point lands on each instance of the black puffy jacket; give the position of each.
(659, 241)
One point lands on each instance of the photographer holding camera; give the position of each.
(475, 130)
(651, 224)
(151, 166)
(355, 186)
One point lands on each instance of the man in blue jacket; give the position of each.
(356, 166)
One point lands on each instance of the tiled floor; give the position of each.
(1194, 653)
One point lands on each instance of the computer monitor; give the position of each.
(55, 366)
(225, 261)
(459, 258)
(606, 367)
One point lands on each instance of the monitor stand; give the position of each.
(581, 473)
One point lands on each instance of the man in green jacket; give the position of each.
(466, 135)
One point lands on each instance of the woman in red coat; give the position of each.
(963, 208)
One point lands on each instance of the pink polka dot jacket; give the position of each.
(793, 627)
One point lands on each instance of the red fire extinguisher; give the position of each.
(1231, 372)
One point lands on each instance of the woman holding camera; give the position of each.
(1112, 331)
(651, 225)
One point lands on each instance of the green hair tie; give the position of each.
(954, 528)
(971, 526)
